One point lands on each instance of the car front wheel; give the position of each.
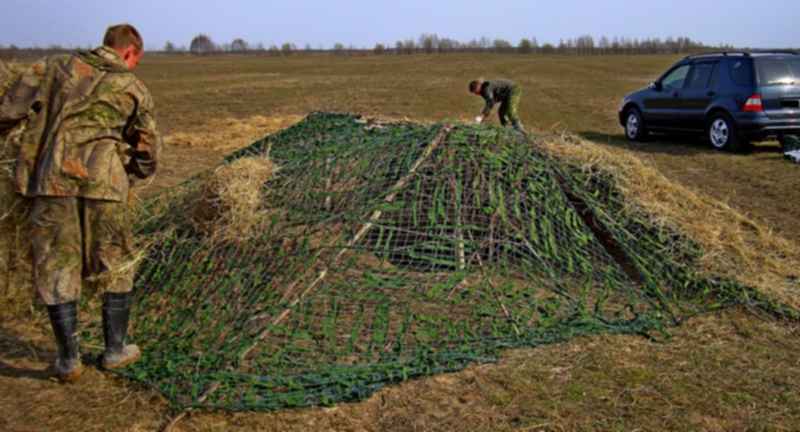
(723, 135)
(635, 129)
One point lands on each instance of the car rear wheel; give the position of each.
(723, 134)
(635, 129)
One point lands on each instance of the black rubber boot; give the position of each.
(518, 126)
(64, 319)
(116, 313)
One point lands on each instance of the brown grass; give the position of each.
(231, 201)
(724, 372)
(735, 246)
(228, 133)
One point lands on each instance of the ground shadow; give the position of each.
(14, 346)
(678, 145)
(10, 371)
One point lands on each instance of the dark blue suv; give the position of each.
(732, 97)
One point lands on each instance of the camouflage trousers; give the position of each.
(76, 240)
(509, 109)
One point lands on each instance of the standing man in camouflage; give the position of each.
(89, 130)
(506, 93)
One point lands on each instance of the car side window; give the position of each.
(741, 72)
(700, 76)
(675, 79)
(714, 81)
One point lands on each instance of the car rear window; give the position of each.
(741, 72)
(778, 71)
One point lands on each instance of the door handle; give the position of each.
(676, 94)
(711, 93)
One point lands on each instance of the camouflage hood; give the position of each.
(104, 59)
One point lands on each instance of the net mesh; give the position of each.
(387, 251)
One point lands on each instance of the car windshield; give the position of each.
(778, 71)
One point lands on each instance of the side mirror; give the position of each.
(656, 86)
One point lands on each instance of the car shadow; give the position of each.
(679, 145)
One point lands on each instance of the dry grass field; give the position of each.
(728, 372)
(578, 94)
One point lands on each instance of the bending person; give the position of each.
(503, 92)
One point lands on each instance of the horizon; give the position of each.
(362, 24)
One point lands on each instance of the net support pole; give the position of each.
(460, 253)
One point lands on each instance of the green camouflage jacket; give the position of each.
(496, 91)
(88, 125)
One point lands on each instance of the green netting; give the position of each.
(392, 251)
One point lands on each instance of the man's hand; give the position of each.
(479, 119)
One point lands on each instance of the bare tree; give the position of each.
(169, 47)
(409, 46)
(502, 45)
(448, 45)
(525, 46)
(202, 44)
(288, 48)
(584, 45)
(429, 43)
(338, 48)
(604, 45)
(379, 49)
(239, 45)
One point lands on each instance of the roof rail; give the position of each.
(779, 51)
(722, 53)
(742, 53)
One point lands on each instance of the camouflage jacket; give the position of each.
(496, 91)
(88, 125)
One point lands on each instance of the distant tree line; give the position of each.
(431, 43)
(427, 43)
(582, 45)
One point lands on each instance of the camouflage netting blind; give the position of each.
(391, 251)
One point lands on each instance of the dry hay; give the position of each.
(8, 71)
(734, 245)
(230, 205)
(229, 133)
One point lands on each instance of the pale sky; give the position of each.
(362, 23)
